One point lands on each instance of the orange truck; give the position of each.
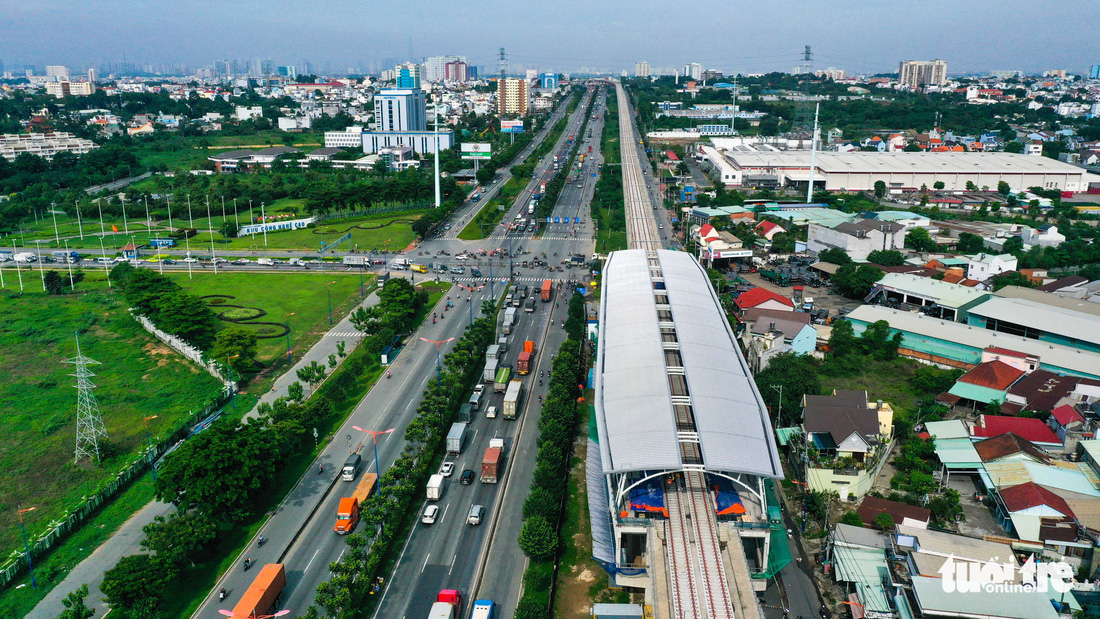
(347, 514)
(262, 595)
(529, 346)
(547, 289)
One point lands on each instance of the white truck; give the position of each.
(475, 397)
(509, 320)
(492, 352)
(490, 371)
(456, 438)
(435, 487)
(265, 261)
(512, 398)
(25, 256)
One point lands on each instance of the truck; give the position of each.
(492, 352)
(547, 289)
(491, 461)
(503, 374)
(347, 513)
(509, 320)
(262, 596)
(466, 413)
(502, 341)
(358, 260)
(483, 609)
(529, 305)
(25, 256)
(70, 257)
(265, 261)
(475, 397)
(351, 467)
(448, 605)
(456, 438)
(435, 487)
(490, 371)
(529, 346)
(775, 277)
(512, 398)
(523, 364)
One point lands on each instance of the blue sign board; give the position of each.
(576, 220)
(593, 175)
(547, 219)
(557, 220)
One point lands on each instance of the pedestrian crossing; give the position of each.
(346, 334)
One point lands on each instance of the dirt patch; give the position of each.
(586, 576)
(158, 348)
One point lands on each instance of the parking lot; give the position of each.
(823, 296)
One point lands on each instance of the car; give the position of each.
(153, 260)
(242, 261)
(466, 478)
(219, 261)
(491, 412)
(475, 272)
(660, 226)
(462, 257)
(190, 260)
(430, 514)
(457, 270)
(477, 512)
(168, 261)
(447, 469)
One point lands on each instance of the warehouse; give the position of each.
(859, 171)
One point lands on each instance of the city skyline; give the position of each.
(861, 38)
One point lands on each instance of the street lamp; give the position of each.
(374, 434)
(438, 371)
(26, 546)
(229, 613)
(328, 293)
(149, 446)
(779, 415)
(470, 301)
(288, 358)
(511, 276)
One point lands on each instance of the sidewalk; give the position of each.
(127, 539)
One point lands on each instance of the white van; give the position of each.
(104, 260)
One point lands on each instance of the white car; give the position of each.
(491, 412)
(430, 514)
(447, 469)
(190, 260)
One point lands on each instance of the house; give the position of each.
(1032, 430)
(769, 332)
(981, 267)
(1039, 390)
(847, 441)
(1065, 284)
(858, 238)
(768, 229)
(902, 513)
(323, 154)
(142, 129)
(986, 383)
(762, 298)
(1010, 446)
(1036, 514)
(1064, 420)
(130, 250)
(859, 556)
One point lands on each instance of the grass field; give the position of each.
(269, 292)
(137, 376)
(489, 215)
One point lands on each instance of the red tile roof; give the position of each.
(992, 449)
(1066, 414)
(1031, 494)
(1029, 429)
(757, 296)
(994, 374)
(997, 350)
(766, 226)
(873, 506)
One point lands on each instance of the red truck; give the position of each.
(490, 464)
(263, 594)
(547, 289)
(448, 605)
(523, 364)
(347, 514)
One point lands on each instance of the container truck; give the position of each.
(262, 596)
(503, 374)
(523, 364)
(547, 289)
(490, 463)
(492, 352)
(358, 260)
(529, 346)
(25, 256)
(456, 438)
(512, 398)
(490, 371)
(435, 487)
(448, 605)
(347, 514)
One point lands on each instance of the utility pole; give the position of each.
(438, 199)
(89, 421)
(813, 157)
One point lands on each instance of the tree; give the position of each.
(295, 392)
(332, 362)
(1013, 245)
(181, 538)
(187, 317)
(1011, 278)
(843, 340)
(970, 243)
(884, 522)
(835, 255)
(919, 239)
(75, 606)
(135, 578)
(851, 519)
(220, 471)
(537, 539)
(229, 229)
(880, 189)
(120, 274)
(886, 257)
(911, 148)
(311, 374)
(855, 281)
(144, 288)
(797, 375)
(238, 345)
(1003, 187)
(879, 342)
(938, 185)
(53, 282)
(531, 606)
(970, 186)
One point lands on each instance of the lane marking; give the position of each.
(425, 566)
(315, 553)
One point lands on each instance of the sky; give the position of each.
(862, 37)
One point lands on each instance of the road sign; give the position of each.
(511, 126)
(557, 220)
(472, 150)
(576, 220)
(547, 219)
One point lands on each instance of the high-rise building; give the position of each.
(455, 71)
(918, 73)
(400, 109)
(513, 97)
(531, 75)
(407, 75)
(289, 71)
(56, 72)
(693, 71)
(92, 75)
(435, 68)
(1094, 71)
(548, 80)
(641, 69)
(471, 72)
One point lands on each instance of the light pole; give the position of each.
(470, 301)
(374, 434)
(209, 225)
(328, 293)
(288, 357)
(26, 546)
(507, 229)
(779, 415)
(53, 212)
(149, 446)
(438, 371)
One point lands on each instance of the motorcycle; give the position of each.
(221, 595)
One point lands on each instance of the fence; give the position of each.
(59, 529)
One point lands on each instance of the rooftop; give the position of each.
(1008, 444)
(1052, 299)
(1072, 324)
(942, 293)
(840, 415)
(1029, 495)
(932, 600)
(635, 387)
(758, 296)
(872, 506)
(992, 375)
(1029, 429)
(903, 162)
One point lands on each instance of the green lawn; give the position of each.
(137, 376)
(489, 215)
(280, 293)
(392, 232)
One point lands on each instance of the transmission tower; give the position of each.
(803, 112)
(502, 60)
(89, 421)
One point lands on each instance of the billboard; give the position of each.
(511, 126)
(476, 151)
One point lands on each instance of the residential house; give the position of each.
(769, 332)
(902, 513)
(762, 298)
(1046, 235)
(1038, 515)
(1039, 390)
(861, 568)
(847, 438)
(142, 129)
(768, 229)
(858, 238)
(981, 267)
(1029, 429)
(1065, 420)
(987, 383)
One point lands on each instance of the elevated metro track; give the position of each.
(641, 225)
